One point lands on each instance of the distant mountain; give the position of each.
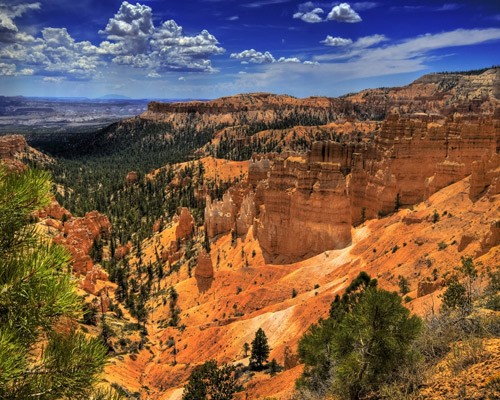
(113, 97)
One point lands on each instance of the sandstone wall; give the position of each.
(415, 156)
(306, 205)
(304, 210)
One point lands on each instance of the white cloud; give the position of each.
(311, 17)
(153, 75)
(362, 43)
(343, 13)
(233, 18)
(288, 60)
(134, 40)
(336, 41)
(253, 56)
(311, 63)
(11, 70)
(131, 28)
(8, 28)
(55, 53)
(181, 78)
(368, 41)
(131, 38)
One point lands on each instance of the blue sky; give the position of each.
(212, 48)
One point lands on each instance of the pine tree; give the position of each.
(260, 350)
(38, 303)
(209, 381)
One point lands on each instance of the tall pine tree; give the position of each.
(260, 350)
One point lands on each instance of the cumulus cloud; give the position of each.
(133, 40)
(130, 29)
(311, 17)
(362, 43)
(336, 41)
(130, 38)
(288, 60)
(343, 13)
(253, 56)
(55, 53)
(9, 32)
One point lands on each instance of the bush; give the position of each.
(455, 296)
(466, 353)
(442, 245)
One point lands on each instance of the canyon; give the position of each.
(397, 182)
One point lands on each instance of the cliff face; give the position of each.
(414, 157)
(304, 208)
(306, 204)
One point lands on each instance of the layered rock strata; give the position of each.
(302, 205)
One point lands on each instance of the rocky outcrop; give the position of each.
(425, 287)
(485, 177)
(12, 145)
(204, 268)
(304, 205)
(10, 149)
(492, 237)
(185, 224)
(415, 156)
(220, 215)
(303, 208)
(55, 211)
(79, 235)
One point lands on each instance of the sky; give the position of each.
(212, 48)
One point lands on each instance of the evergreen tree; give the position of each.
(38, 358)
(209, 381)
(372, 342)
(363, 344)
(260, 350)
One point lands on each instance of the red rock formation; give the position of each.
(220, 215)
(185, 224)
(425, 287)
(79, 235)
(122, 251)
(304, 208)
(10, 148)
(395, 170)
(485, 176)
(54, 210)
(204, 268)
